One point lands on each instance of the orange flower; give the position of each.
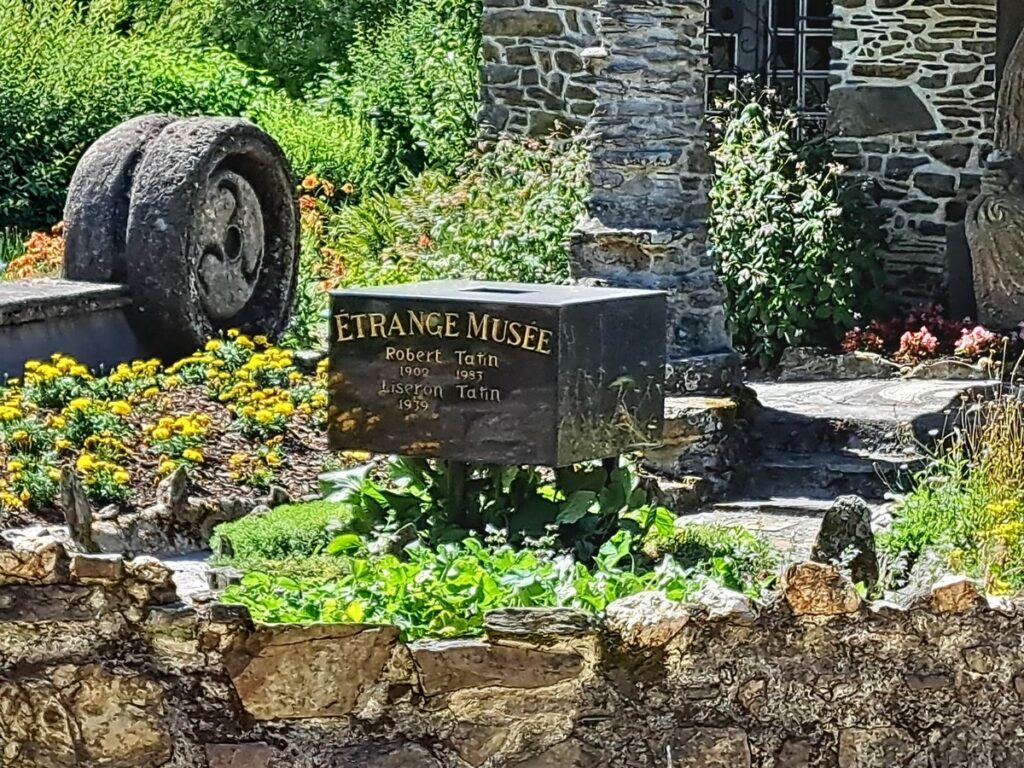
(424, 241)
(348, 188)
(327, 188)
(310, 182)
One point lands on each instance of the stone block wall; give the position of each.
(100, 666)
(913, 105)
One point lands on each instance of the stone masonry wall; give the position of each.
(632, 73)
(534, 71)
(100, 666)
(913, 104)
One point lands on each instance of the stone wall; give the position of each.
(535, 72)
(99, 666)
(632, 73)
(913, 104)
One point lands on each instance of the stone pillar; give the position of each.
(631, 72)
(650, 173)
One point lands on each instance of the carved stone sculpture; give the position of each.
(198, 217)
(995, 221)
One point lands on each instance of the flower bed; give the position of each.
(239, 416)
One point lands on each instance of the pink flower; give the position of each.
(917, 346)
(975, 341)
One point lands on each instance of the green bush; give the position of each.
(66, 78)
(795, 243)
(289, 531)
(416, 79)
(293, 41)
(966, 511)
(506, 216)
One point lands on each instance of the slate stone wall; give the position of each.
(913, 104)
(100, 666)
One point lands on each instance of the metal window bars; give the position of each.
(785, 44)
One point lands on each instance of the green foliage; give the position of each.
(67, 76)
(579, 508)
(416, 79)
(795, 244)
(506, 216)
(445, 592)
(12, 245)
(966, 511)
(289, 531)
(735, 557)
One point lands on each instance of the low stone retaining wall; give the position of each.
(99, 666)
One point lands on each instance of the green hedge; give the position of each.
(67, 76)
(289, 531)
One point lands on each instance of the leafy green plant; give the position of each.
(447, 590)
(735, 557)
(12, 245)
(415, 78)
(289, 531)
(578, 508)
(506, 216)
(795, 243)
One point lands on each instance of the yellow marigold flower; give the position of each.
(244, 342)
(284, 409)
(263, 416)
(79, 404)
(120, 407)
(32, 365)
(161, 433)
(62, 444)
(173, 381)
(86, 463)
(167, 466)
(234, 333)
(150, 392)
(53, 473)
(25, 497)
(19, 435)
(191, 454)
(356, 455)
(261, 340)
(15, 466)
(236, 459)
(122, 476)
(273, 459)
(213, 345)
(58, 422)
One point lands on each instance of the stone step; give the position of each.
(883, 416)
(828, 475)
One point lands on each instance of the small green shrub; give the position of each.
(795, 243)
(506, 216)
(289, 531)
(735, 557)
(12, 245)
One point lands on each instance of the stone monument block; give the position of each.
(501, 373)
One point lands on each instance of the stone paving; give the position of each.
(866, 417)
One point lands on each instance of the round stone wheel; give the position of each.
(213, 236)
(96, 209)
